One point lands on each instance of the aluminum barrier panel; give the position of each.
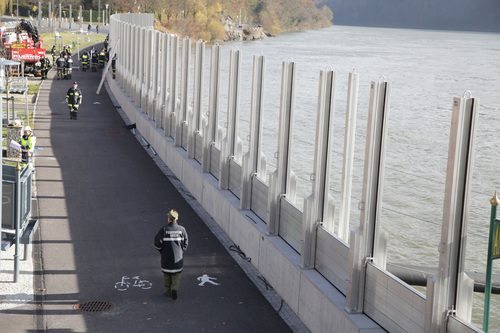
(291, 224)
(332, 258)
(392, 303)
(260, 192)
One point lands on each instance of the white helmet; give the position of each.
(27, 128)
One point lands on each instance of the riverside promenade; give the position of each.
(102, 197)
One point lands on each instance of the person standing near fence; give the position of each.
(171, 241)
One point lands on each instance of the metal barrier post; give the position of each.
(282, 181)
(254, 161)
(350, 135)
(367, 242)
(195, 124)
(319, 206)
(210, 132)
(181, 117)
(165, 71)
(172, 105)
(155, 89)
(231, 143)
(451, 286)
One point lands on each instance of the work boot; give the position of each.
(174, 294)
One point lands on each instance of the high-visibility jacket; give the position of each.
(27, 144)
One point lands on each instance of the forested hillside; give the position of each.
(467, 15)
(202, 18)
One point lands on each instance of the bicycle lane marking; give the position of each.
(125, 283)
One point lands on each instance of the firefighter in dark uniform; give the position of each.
(61, 64)
(45, 66)
(74, 99)
(102, 58)
(54, 54)
(69, 68)
(94, 61)
(84, 59)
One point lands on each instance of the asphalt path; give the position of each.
(101, 201)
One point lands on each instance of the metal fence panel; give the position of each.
(260, 192)
(8, 204)
(214, 161)
(290, 224)
(392, 303)
(199, 146)
(235, 178)
(456, 325)
(332, 259)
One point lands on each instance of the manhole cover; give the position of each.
(94, 306)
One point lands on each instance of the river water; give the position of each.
(427, 70)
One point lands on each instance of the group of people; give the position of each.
(64, 66)
(93, 59)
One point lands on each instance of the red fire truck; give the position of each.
(23, 44)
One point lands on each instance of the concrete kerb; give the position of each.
(281, 307)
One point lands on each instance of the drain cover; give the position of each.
(94, 306)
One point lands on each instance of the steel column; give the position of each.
(145, 58)
(194, 123)
(173, 102)
(350, 135)
(368, 241)
(181, 116)
(319, 206)
(282, 181)
(231, 144)
(254, 161)
(451, 290)
(160, 122)
(156, 71)
(210, 133)
(137, 64)
(149, 63)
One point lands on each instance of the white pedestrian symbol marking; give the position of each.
(205, 278)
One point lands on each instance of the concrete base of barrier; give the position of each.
(316, 302)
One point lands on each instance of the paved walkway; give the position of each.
(102, 198)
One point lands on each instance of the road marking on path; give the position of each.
(137, 282)
(205, 278)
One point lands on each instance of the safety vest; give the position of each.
(28, 144)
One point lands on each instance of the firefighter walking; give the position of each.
(74, 99)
